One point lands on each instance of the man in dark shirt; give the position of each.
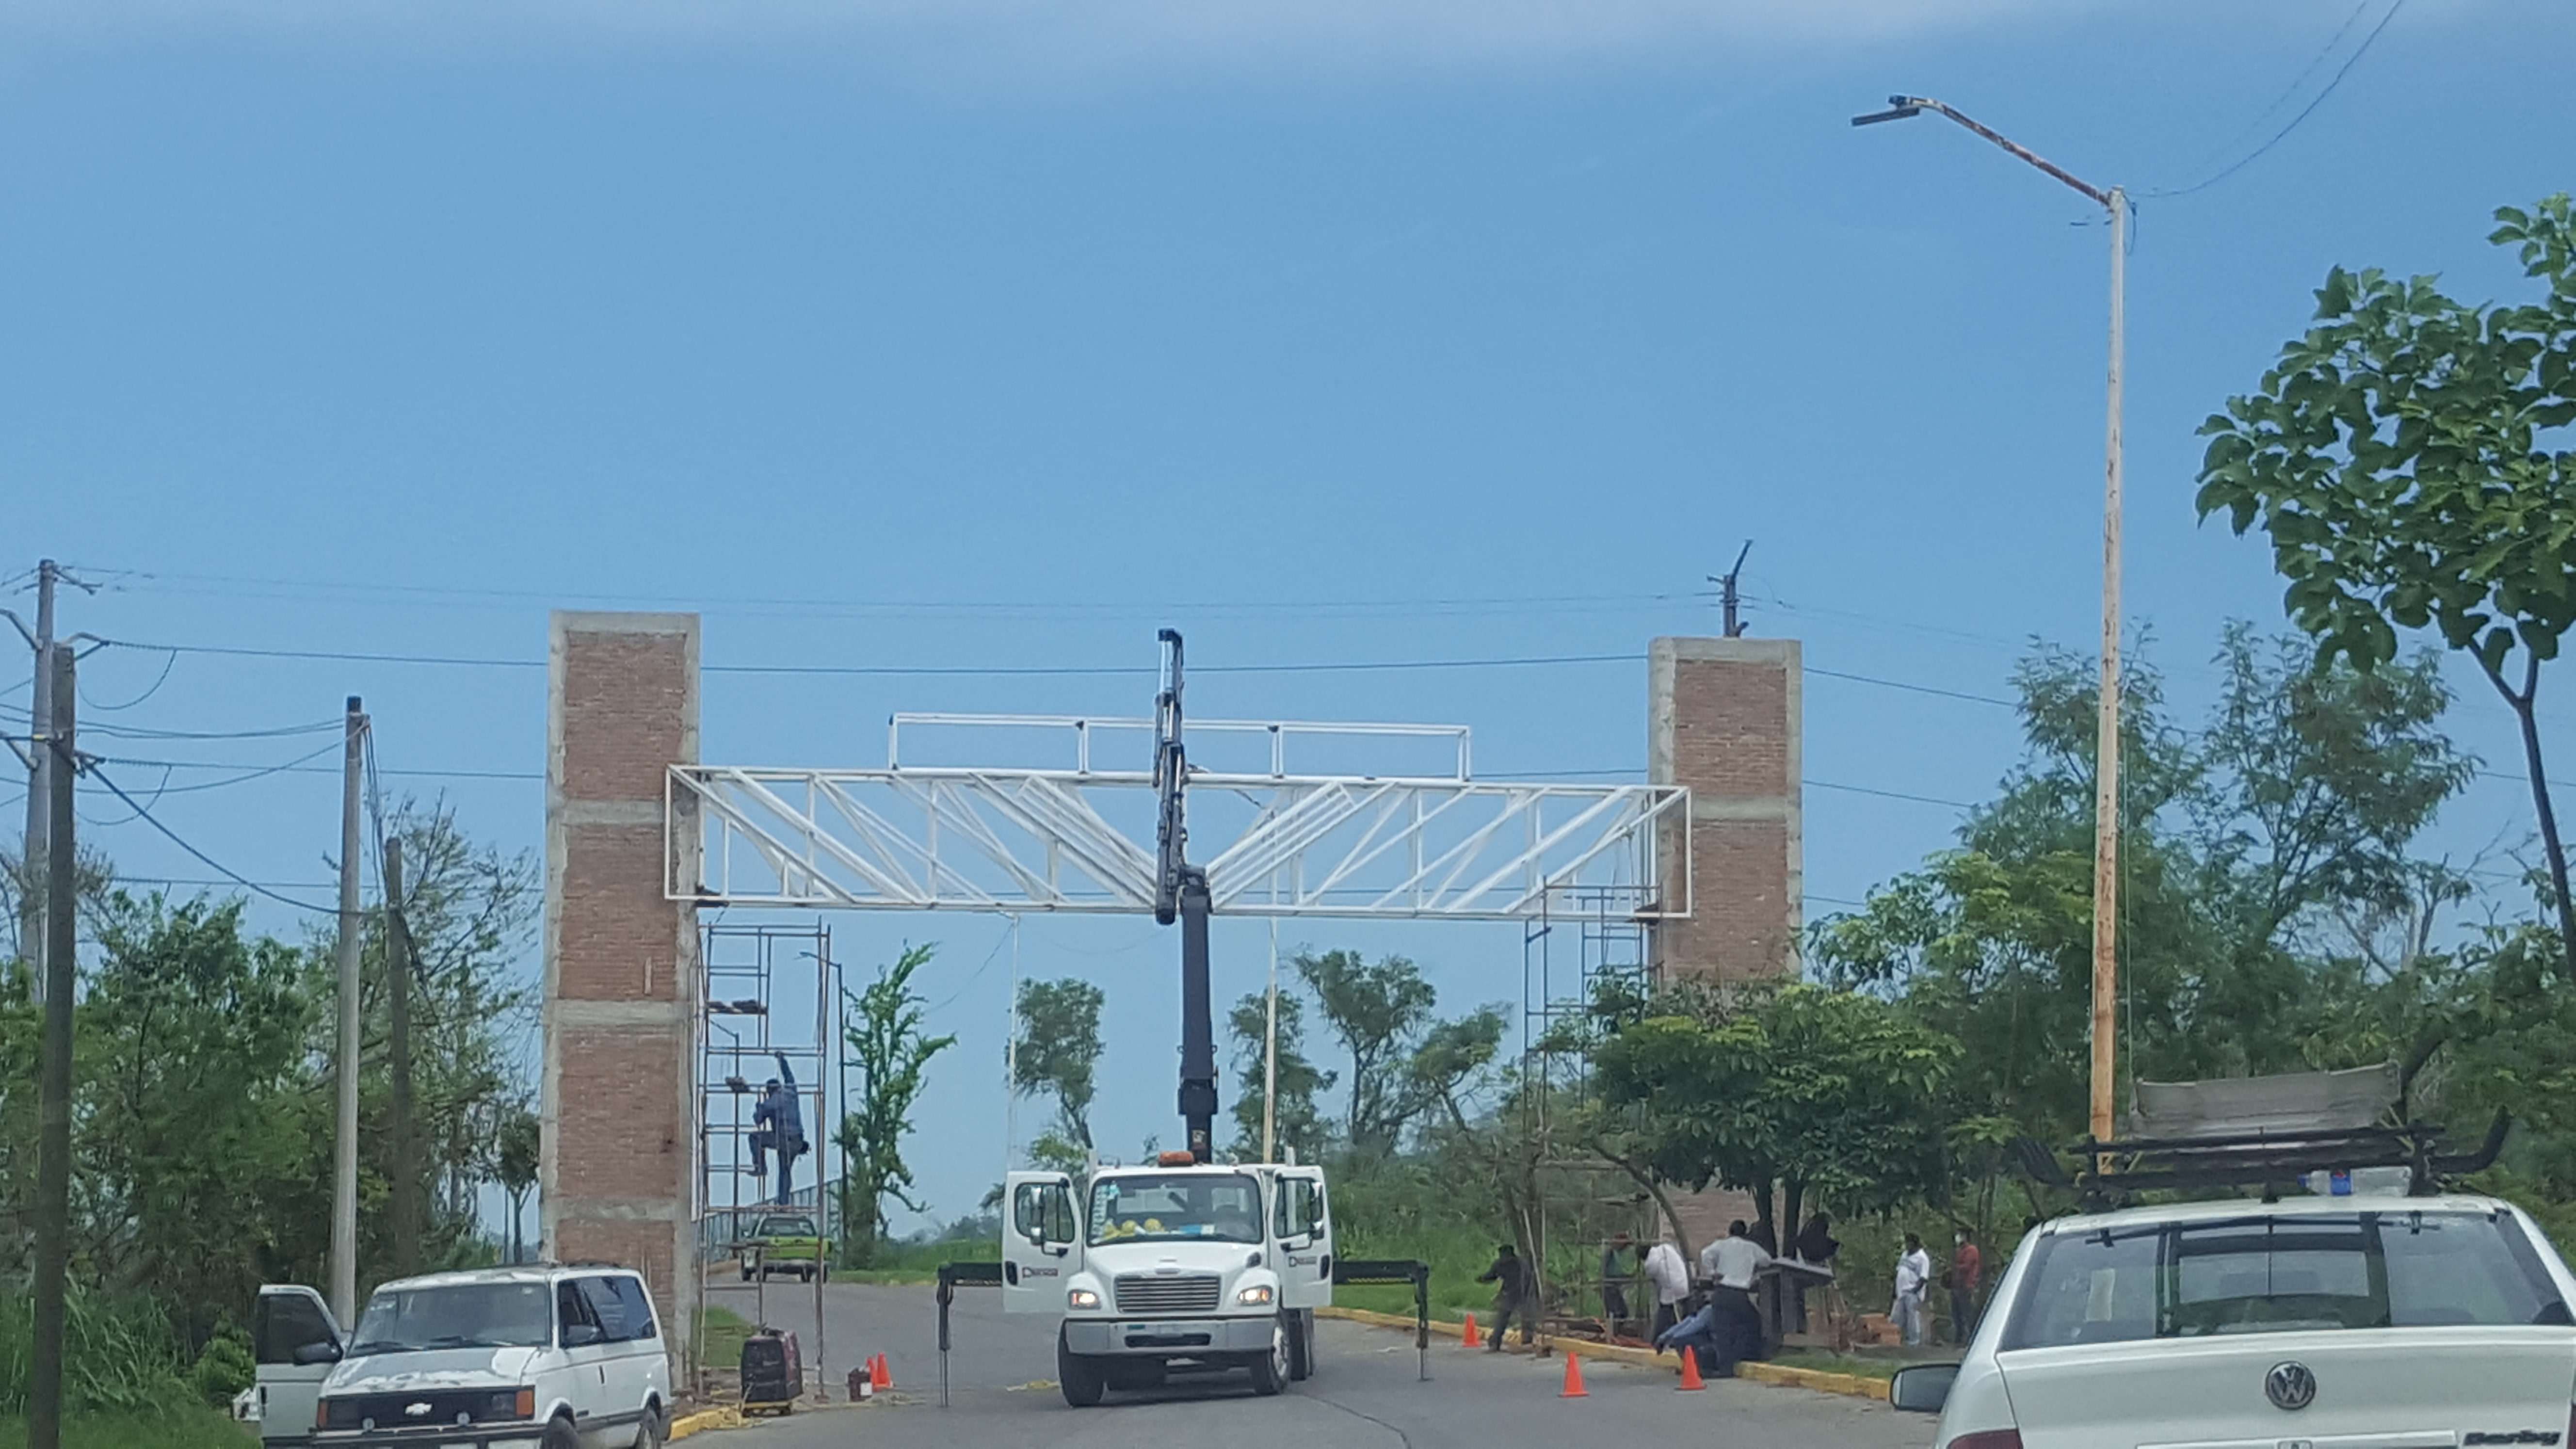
(1515, 1291)
(778, 1125)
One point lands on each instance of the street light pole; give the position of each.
(2106, 798)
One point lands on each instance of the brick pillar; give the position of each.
(617, 1162)
(1722, 718)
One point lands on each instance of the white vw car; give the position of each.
(2311, 1323)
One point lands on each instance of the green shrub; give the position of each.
(224, 1368)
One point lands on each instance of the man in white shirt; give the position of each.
(1731, 1264)
(1913, 1282)
(1671, 1280)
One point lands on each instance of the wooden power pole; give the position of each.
(344, 1166)
(404, 1208)
(54, 1073)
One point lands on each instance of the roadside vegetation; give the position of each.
(202, 1135)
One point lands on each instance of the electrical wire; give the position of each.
(295, 765)
(175, 838)
(2295, 121)
(1016, 607)
(144, 732)
(2292, 89)
(166, 666)
(157, 792)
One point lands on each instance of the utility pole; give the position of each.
(1270, 1057)
(54, 1074)
(404, 1209)
(344, 1174)
(1730, 597)
(2106, 798)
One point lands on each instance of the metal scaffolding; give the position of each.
(749, 971)
(1586, 947)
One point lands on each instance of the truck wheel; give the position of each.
(560, 1434)
(1301, 1345)
(1079, 1377)
(1270, 1371)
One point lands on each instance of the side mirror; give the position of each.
(1923, 1388)
(325, 1351)
(580, 1335)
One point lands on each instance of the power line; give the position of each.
(1915, 688)
(234, 586)
(166, 666)
(247, 775)
(2308, 110)
(1350, 666)
(236, 877)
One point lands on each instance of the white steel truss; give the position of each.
(1274, 843)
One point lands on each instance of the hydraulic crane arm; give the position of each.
(1181, 893)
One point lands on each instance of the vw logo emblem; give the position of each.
(2290, 1385)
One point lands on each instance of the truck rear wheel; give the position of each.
(1080, 1378)
(1270, 1371)
(1301, 1344)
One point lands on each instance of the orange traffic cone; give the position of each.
(1573, 1378)
(1690, 1368)
(880, 1374)
(1469, 1338)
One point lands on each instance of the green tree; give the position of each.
(514, 1167)
(1377, 1011)
(1299, 1124)
(2261, 839)
(892, 1055)
(1057, 1050)
(203, 1148)
(1829, 1093)
(472, 912)
(2406, 457)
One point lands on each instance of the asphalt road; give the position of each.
(1364, 1394)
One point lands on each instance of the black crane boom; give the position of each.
(1181, 893)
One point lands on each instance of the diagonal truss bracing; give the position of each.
(1082, 841)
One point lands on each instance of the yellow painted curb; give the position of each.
(703, 1420)
(1853, 1386)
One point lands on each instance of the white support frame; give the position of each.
(1442, 847)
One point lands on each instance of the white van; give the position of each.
(543, 1356)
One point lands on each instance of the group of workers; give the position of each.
(1714, 1314)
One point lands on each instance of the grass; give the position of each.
(725, 1332)
(182, 1429)
(1824, 1361)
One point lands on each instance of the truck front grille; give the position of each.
(1167, 1293)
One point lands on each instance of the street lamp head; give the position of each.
(1899, 113)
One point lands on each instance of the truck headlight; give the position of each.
(1254, 1296)
(1081, 1298)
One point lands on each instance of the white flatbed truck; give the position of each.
(1179, 1266)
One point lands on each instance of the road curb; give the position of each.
(1852, 1386)
(704, 1420)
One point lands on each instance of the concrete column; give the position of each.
(617, 1163)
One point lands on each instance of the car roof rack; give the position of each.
(2266, 1132)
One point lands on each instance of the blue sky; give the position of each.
(992, 333)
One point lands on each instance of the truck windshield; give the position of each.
(455, 1315)
(787, 1228)
(2284, 1273)
(1206, 1207)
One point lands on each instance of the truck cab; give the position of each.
(1178, 1266)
